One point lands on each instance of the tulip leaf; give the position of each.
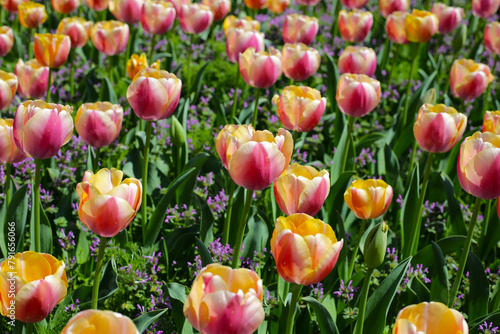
(440, 286)
(109, 91)
(368, 140)
(177, 291)
(495, 298)
(176, 240)
(3, 236)
(206, 258)
(186, 188)
(491, 234)
(90, 158)
(257, 236)
(143, 322)
(82, 248)
(454, 210)
(220, 111)
(324, 318)
(493, 318)
(447, 245)
(45, 230)
(15, 219)
(335, 171)
(206, 221)
(197, 83)
(479, 292)
(410, 212)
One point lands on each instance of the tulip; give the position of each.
(94, 322)
(357, 94)
(468, 79)
(300, 29)
(52, 50)
(355, 25)
(479, 165)
(41, 128)
(157, 16)
(256, 4)
(32, 14)
(64, 6)
(78, 30)
(485, 8)
(368, 199)
(32, 78)
(358, 60)
(40, 284)
(395, 27)
(9, 153)
(99, 124)
(97, 5)
(420, 26)
(245, 23)
(300, 108)
(277, 6)
(110, 37)
(260, 69)
(492, 37)
(299, 61)
(354, 4)
(301, 189)
(154, 94)
(448, 17)
(438, 128)
(239, 40)
(305, 249)
(225, 300)
(137, 63)
(8, 87)
(430, 318)
(195, 18)
(307, 2)
(12, 5)
(127, 11)
(177, 5)
(219, 8)
(375, 247)
(491, 122)
(388, 7)
(6, 40)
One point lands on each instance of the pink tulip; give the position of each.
(299, 61)
(178, 4)
(8, 88)
(277, 6)
(354, 26)
(65, 6)
(195, 18)
(395, 27)
(41, 128)
(260, 69)
(245, 23)
(354, 4)
(357, 94)
(99, 124)
(51, 50)
(11, 5)
(78, 30)
(239, 40)
(358, 60)
(97, 5)
(485, 8)
(300, 29)
(219, 8)
(157, 16)
(388, 7)
(127, 11)
(468, 79)
(491, 122)
(9, 153)
(6, 40)
(449, 17)
(307, 2)
(32, 78)
(492, 37)
(110, 37)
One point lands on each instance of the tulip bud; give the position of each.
(376, 245)
(157, 16)
(448, 17)
(357, 94)
(32, 78)
(485, 8)
(492, 37)
(460, 38)
(195, 18)
(429, 97)
(358, 60)
(420, 26)
(177, 133)
(52, 50)
(127, 11)
(78, 30)
(491, 122)
(6, 40)
(300, 29)
(255, 4)
(388, 7)
(354, 26)
(260, 69)
(300, 61)
(239, 40)
(94, 321)
(110, 37)
(395, 27)
(8, 88)
(9, 153)
(64, 6)
(468, 79)
(32, 14)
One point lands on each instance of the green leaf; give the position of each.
(368, 140)
(143, 322)
(479, 292)
(15, 219)
(455, 211)
(325, 320)
(185, 191)
(493, 318)
(206, 258)
(440, 286)
(206, 221)
(410, 211)
(109, 91)
(45, 233)
(257, 236)
(82, 248)
(495, 299)
(177, 291)
(177, 240)
(198, 82)
(447, 245)
(337, 157)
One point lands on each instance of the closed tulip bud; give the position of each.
(99, 124)
(492, 37)
(51, 50)
(154, 94)
(300, 29)
(8, 87)
(277, 6)
(32, 14)
(302, 189)
(299, 61)
(32, 78)
(357, 94)
(420, 26)
(157, 16)
(94, 322)
(305, 249)
(78, 30)
(254, 159)
(12, 5)
(255, 4)
(485, 8)
(354, 4)
(136, 64)
(491, 122)
(64, 6)
(438, 128)
(307, 2)
(358, 60)
(110, 37)
(9, 153)
(430, 318)
(448, 17)
(355, 25)
(260, 69)
(97, 5)
(460, 38)
(245, 23)
(177, 133)
(395, 27)
(225, 300)
(6, 40)
(40, 284)
(478, 165)
(429, 97)
(388, 7)
(239, 40)
(300, 108)
(376, 246)
(41, 128)
(468, 79)
(195, 18)
(368, 199)
(108, 204)
(127, 11)
(219, 8)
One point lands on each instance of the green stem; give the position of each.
(188, 67)
(30, 45)
(235, 97)
(227, 225)
(72, 72)
(415, 49)
(145, 160)
(256, 108)
(30, 328)
(486, 219)
(293, 305)
(36, 207)
(49, 83)
(356, 247)
(95, 162)
(335, 17)
(152, 50)
(394, 62)
(362, 302)
(345, 153)
(97, 273)
(465, 253)
(7, 184)
(129, 45)
(241, 229)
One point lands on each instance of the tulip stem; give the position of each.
(415, 52)
(145, 159)
(152, 51)
(36, 207)
(97, 273)
(488, 90)
(49, 84)
(362, 302)
(129, 45)
(235, 97)
(356, 247)
(350, 128)
(72, 72)
(256, 108)
(95, 162)
(188, 67)
(241, 229)
(465, 253)
(296, 289)
(394, 62)
(7, 184)
(30, 328)
(227, 225)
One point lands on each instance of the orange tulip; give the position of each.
(245, 23)
(357, 94)
(300, 61)
(78, 30)
(368, 199)
(358, 60)
(354, 4)
(468, 79)
(97, 5)
(136, 63)
(388, 7)
(305, 249)
(449, 17)
(9, 152)
(491, 122)
(127, 11)
(64, 6)
(355, 25)
(99, 322)
(219, 8)
(300, 29)
(12, 5)
(8, 87)
(420, 26)
(195, 18)
(256, 4)
(260, 69)
(40, 283)
(110, 37)
(52, 50)
(6, 40)
(277, 6)
(492, 37)
(395, 27)
(32, 78)
(157, 16)
(32, 14)
(485, 8)
(99, 124)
